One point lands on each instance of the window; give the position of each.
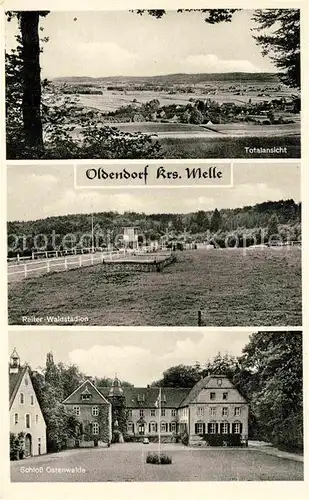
(141, 413)
(129, 413)
(32, 400)
(212, 428)
(237, 429)
(21, 398)
(26, 381)
(173, 426)
(95, 411)
(212, 396)
(200, 411)
(163, 427)
(153, 427)
(86, 397)
(174, 413)
(28, 421)
(16, 418)
(225, 411)
(212, 412)
(237, 411)
(153, 413)
(219, 381)
(95, 428)
(225, 396)
(76, 411)
(199, 428)
(225, 428)
(37, 419)
(162, 413)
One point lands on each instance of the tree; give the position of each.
(179, 376)
(274, 360)
(215, 221)
(273, 225)
(281, 42)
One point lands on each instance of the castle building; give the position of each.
(212, 406)
(25, 413)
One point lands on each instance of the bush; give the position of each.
(17, 450)
(156, 458)
(222, 439)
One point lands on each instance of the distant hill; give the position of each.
(173, 79)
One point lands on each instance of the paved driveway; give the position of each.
(127, 462)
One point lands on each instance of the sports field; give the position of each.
(258, 287)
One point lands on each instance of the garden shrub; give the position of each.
(158, 458)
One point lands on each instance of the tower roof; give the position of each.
(116, 389)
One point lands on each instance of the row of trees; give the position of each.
(270, 218)
(268, 374)
(278, 35)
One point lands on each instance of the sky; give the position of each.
(40, 191)
(125, 43)
(137, 357)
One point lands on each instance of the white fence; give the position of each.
(23, 269)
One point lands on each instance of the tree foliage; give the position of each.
(280, 39)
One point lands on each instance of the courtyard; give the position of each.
(127, 462)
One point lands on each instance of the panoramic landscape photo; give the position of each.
(155, 257)
(209, 83)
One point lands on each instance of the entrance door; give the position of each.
(28, 445)
(141, 429)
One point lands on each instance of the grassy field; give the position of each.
(260, 287)
(125, 463)
(229, 147)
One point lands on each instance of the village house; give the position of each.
(212, 406)
(25, 413)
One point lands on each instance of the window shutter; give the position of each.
(156, 427)
(217, 428)
(208, 428)
(133, 428)
(228, 428)
(240, 425)
(196, 429)
(204, 428)
(233, 428)
(221, 428)
(149, 428)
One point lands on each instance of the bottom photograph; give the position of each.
(202, 405)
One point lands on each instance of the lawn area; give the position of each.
(115, 464)
(259, 287)
(229, 147)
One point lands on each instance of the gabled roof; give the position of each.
(146, 397)
(195, 390)
(88, 386)
(15, 381)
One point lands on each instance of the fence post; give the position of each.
(102, 257)
(32, 256)
(25, 270)
(92, 259)
(199, 318)
(48, 266)
(80, 260)
(66, 264)
(56, 254)
(18, 257)
(110, 256)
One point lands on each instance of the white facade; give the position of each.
(25, 412)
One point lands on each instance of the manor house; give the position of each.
(212, 406)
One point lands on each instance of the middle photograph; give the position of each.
(228, 254)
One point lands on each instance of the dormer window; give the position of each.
(86, 395)
(141, 398)
(219, 381)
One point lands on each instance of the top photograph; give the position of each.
(153, 84)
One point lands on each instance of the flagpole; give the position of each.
(160, 425)
(92, 242)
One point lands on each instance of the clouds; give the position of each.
(210, 63)
(97, 58)
(141, 364)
